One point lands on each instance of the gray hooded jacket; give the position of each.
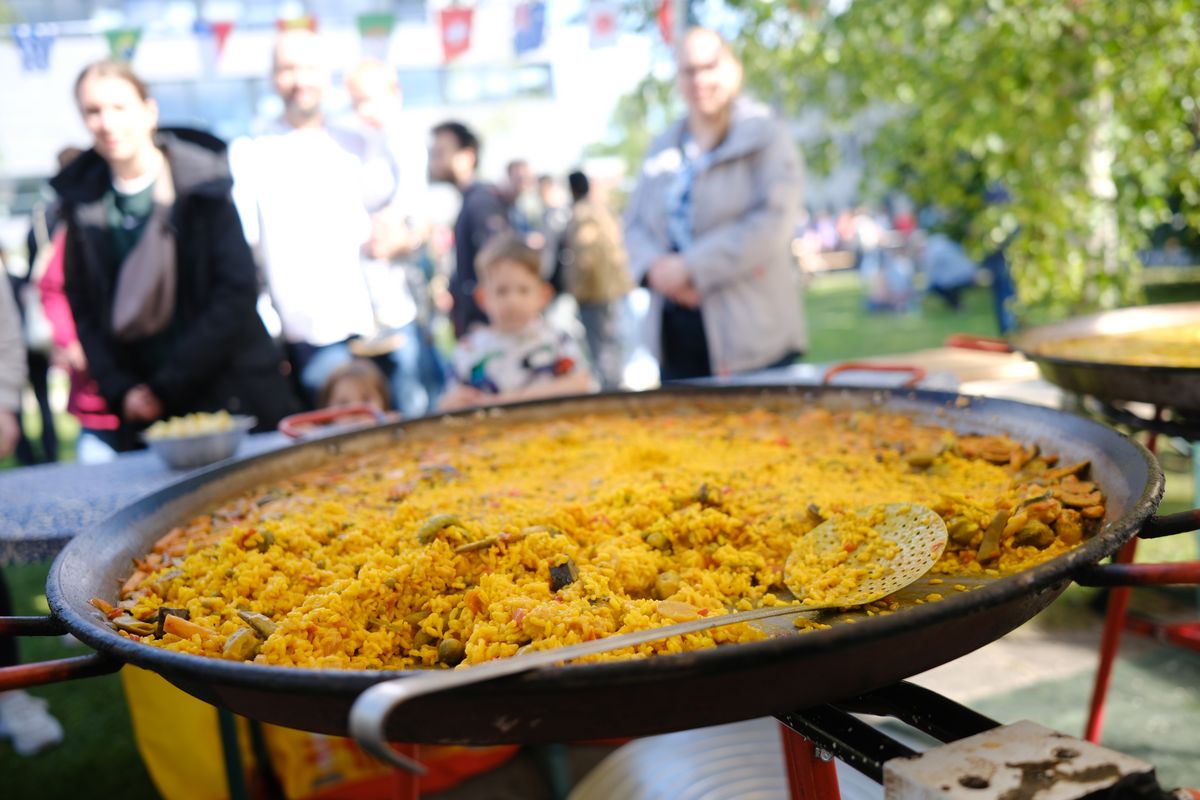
(744, 207)
(12, 348)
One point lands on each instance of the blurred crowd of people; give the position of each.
(173, 274)
(894, 256)
(299, 266)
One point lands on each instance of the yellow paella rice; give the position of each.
(1166, 346)
(488, 537)
(196, 424)
(831, 575)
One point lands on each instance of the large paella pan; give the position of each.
(1148, 354)
(625, 697)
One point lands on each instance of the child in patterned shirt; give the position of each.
(518, 355)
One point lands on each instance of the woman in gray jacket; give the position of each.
(710, 223)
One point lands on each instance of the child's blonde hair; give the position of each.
(507, 246)
(358, 369)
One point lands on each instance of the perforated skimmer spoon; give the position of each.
(918, 533)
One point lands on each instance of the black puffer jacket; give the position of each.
(221, 356)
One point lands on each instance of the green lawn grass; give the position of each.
(98, 757)
(65, 425)
(840, 328)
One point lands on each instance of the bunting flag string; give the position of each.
(602, 18)
(34, 43)
(304, 22)
(455, 24)
(123, 42)
(529, 27)
(666, 20)
(212, 36)
(220, 33)
(375, 30)
(375, 33)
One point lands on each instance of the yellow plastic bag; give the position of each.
(180, 743)
(179, 739)
(308, 763)
(315, 767)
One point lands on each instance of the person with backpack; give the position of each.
(596, 274)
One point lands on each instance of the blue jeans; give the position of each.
(416, 383)
(1004, 293)
(601, 326)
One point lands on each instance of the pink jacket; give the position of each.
(84, 400)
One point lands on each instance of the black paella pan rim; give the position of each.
(1146, 371)
(986, 415)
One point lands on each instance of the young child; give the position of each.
(357, 381)
(518, 355)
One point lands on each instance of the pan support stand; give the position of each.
(980, 759)
(1116, 617)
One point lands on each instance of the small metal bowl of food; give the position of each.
(197, 439)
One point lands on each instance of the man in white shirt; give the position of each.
(298, 186)
(396, 196)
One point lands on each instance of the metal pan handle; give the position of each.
(31, 626)
(24, 676)
(370, 712)
(1176, 573)
(1120, 573)
(973, 341)
(75, 668)
(918, 373)
(1171, 524)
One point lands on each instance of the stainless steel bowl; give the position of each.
(188, 452)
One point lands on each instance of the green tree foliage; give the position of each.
(1083, 111)
(639, 116)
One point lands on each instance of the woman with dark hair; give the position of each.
(159, 277)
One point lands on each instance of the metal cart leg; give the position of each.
(1114, 622)
(1196, 498)
(812, 775)
(235, 773)
(978, 754)
(554, 764)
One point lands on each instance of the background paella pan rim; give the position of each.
(185, 498)
(1029, 342)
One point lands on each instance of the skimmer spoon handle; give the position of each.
(918, 532)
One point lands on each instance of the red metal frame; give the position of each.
(1114, 621)
(407, 785)
(1182, 634)
(1123, 574)
(810, 777)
